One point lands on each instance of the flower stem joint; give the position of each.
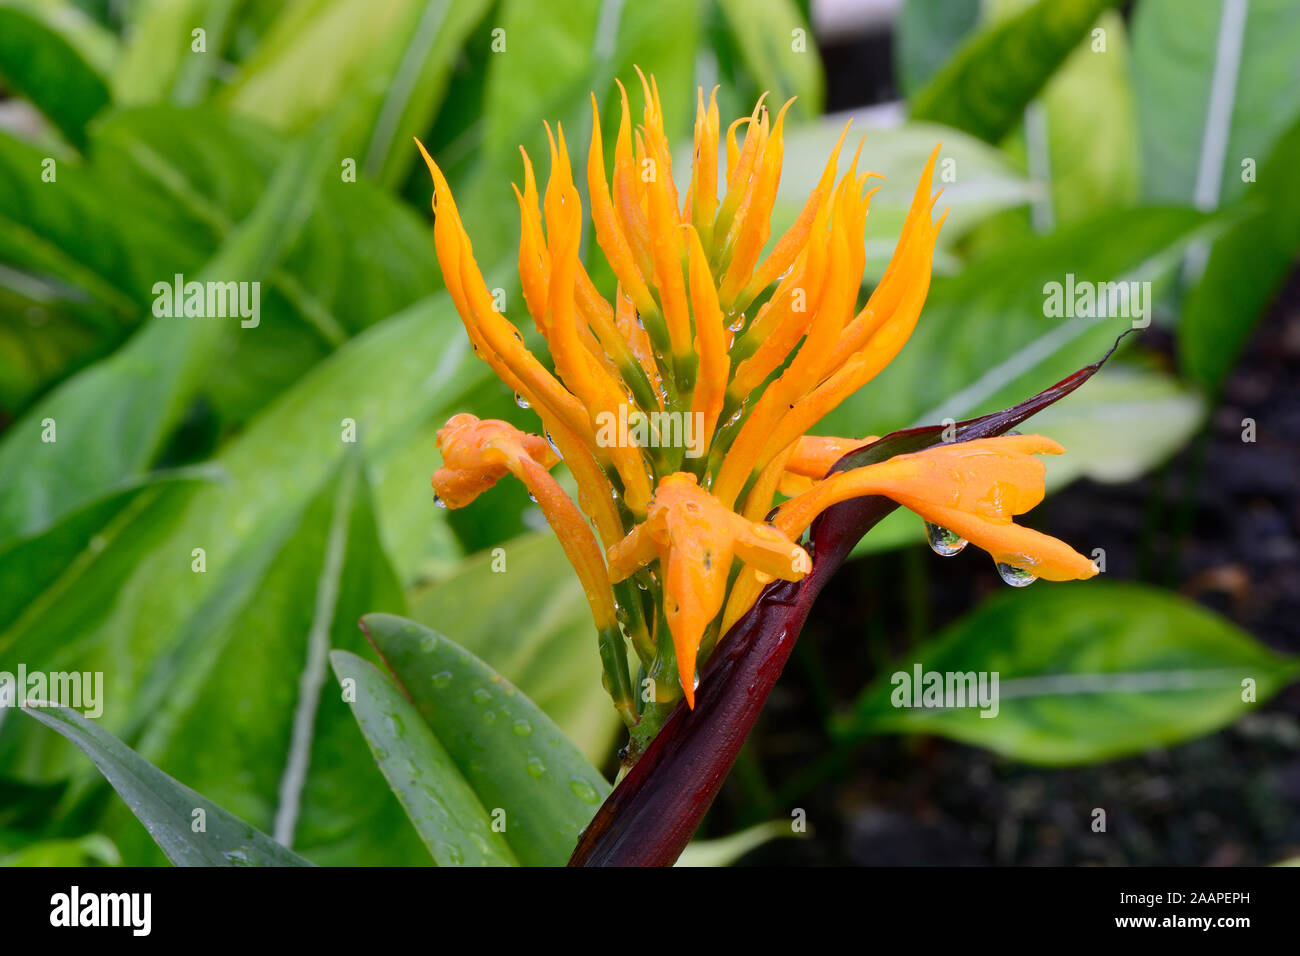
(672, 550)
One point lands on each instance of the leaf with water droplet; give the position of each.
(519, 761)
(440, 802)
(166, 806)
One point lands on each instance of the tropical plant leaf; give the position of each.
(169, 810)
(765, 32)
(725, 851)
(511, 753)
(38, 62)
(1086, 672)
(246, 685)
(115, 415)
(925, 36)
(1181, 51)
(451, 821)
(985, 87)
(1246, 267)
(131, 601)
(533, 625)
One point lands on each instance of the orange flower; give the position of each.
(713, 395)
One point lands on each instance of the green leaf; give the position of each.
(1086, 672)
(556, 57)
(161, 61)
(725, 851)
(533, 625)
(390, 69)
(248, 676)
(38, 62)
(765, 33)
(985, 87)
(31, 563)
(1246, 268)
(209, 169)
(167, 808)
(451, 821)
(115, 415)
(985, 336)
(92, 850)
(129, 603)
(925, 36)
(1175, 50)
(511, 753)
(1092, 136)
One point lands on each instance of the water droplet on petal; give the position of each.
(555, 448)
(438, 502)
(1016, 577)
(942, 541)
(521, 401)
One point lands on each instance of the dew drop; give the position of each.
(942, 541)
(480, 696)
(535, 767)
(447, 855)
(522, 728)
(429, 643)
(555, 448)
(521, 401)
(584, 791)
(1016, 577)
(441, 679)
(438, 502)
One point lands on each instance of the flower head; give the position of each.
(706, 335)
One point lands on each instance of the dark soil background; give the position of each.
(1219, 523)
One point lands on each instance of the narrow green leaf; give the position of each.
(511, 753)
(168, 809)
(1247, 266)
(779, 51)
(532, 623)
(1086, 672)
(725, 851)
(987, 84)
(451, 821)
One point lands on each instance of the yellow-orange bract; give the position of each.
(749, 351)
